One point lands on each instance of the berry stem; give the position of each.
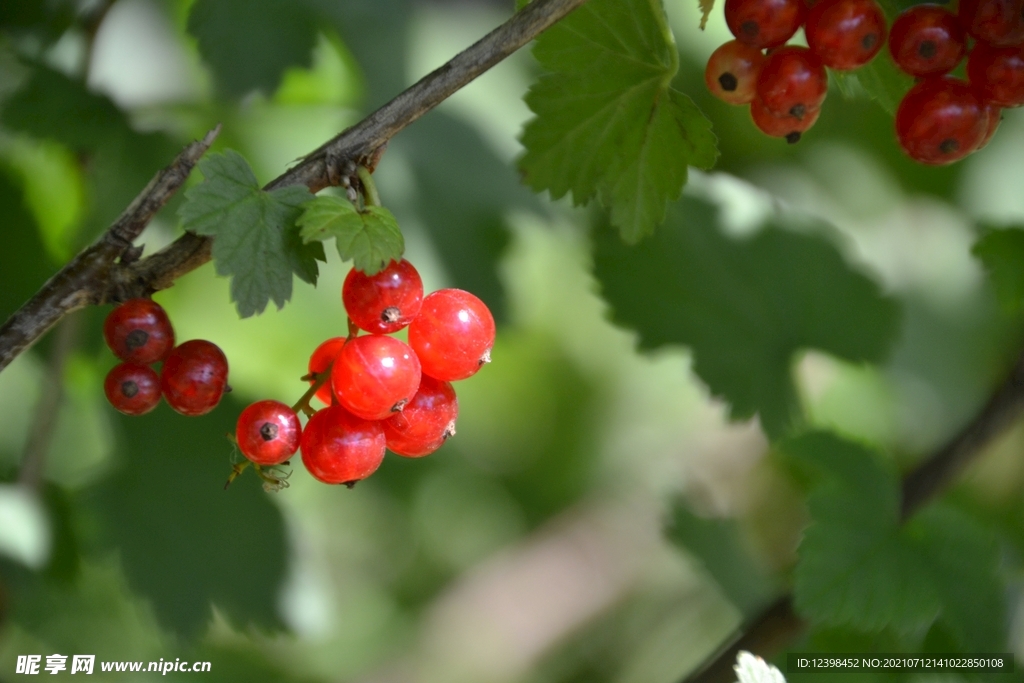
(236, 470)
(370, 194)
(319, 379)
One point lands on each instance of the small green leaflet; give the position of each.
(370, 238)
(608, 123)
(256, 241)
(744, 307)
(859, 568)
(1002, 252)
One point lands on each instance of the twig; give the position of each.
(771, 631)
(93, 277)
(47, 409)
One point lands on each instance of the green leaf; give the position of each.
(745, 307)
(879, 80)
(185, 543)
(256, 239)
(719, 546)
(608, 124)
(1002, 252)
(250, 43)
(705, 11)
(860, 568)
(370, 238)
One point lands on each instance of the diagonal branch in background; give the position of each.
(774, 629)
(93, 277)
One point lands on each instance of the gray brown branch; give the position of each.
(95, 277)
(92, 277)
(778, 625)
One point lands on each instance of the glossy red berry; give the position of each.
(792, 82)
(995, 117)
(997, 22)
(385, 302)
(321, 359)
(845, 34)
(731, 73)
(268, 432)
(340, 448)
(139, 331)
(927, 40)
(764, 23)
(133, 389)
(940, 120)
(424, 425)
(997, 74)
(788, 126)
(194, 377)
(375, 376)
(452, 335)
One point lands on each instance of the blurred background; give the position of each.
(597, 517)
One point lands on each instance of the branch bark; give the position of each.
(778, 625)
(93, 277)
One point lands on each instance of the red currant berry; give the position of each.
(340, 448)
(194, 377)
(426, 422)
(997, 74)
(731, 73)
(940, 120)
(139, 331)
(845, 34)
(385, 302)
(788, 126)
(792, 82)
(995, 116)
(927, 40)
(321, 359)
(375, 376)
(132, 388)
(764, 23)
(452, 335)
(998, 22)
(268, 432)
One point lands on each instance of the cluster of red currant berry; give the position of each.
(940, 120)
(380, 392)
(192, 379)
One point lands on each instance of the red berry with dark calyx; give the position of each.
(927, 40)
(792, 82)
(788, 126)
(764, 23)
(997, 22)
(321, 359)
(268, 432)
(452, 335)
(139, 331)
(132, 389)
(426, 422)
(997, 74)
(385, 302)
(940, 120)
(731, 73)
(845, 34)
(194, 377)
(340, 448)
(375, 376)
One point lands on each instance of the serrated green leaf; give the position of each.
(250, 43)
(879, 80)
(185, 543)
(369, 238)
(1002, 252)
(608, 124)
(860, 568)
(745, 307)
(255, 234)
